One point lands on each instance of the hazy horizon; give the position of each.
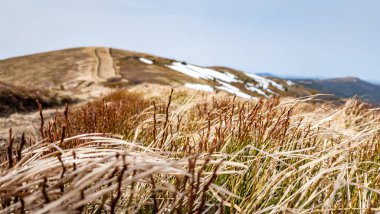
(287, 38)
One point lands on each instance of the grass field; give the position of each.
(193, 154)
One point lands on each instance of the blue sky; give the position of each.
(323, 38)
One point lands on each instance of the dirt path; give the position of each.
(105, 68)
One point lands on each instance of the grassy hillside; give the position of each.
(125, 153)
(87, 73)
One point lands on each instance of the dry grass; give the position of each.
(115, 113)
(204, 155)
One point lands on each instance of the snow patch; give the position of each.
(147, 61)
(264, 83)
(200, 87)
(251, 87)
(233, 90)
(290, 83)
(202, 73)
(224, 79)
(272, 92)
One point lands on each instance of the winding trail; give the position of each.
(105, 68)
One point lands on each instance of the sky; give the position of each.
(296, 38)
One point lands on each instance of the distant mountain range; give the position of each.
(374, 82)
(289, 77)
(345, 88)
(267, 74)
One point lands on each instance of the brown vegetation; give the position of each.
(212, 155)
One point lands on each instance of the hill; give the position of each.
(85, 73)
(79, 75)
(345, 88)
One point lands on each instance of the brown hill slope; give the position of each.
(84, 73)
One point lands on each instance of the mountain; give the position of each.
(373, 82)
(79, 74)
(267, 74)
(344, 88)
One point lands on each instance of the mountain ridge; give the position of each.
(345, 87)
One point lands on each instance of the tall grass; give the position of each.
(205, 155)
